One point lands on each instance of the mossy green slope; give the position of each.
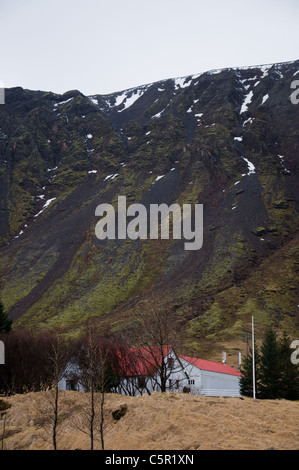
(84, 151)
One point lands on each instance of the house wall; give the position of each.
(131, 386)
(187, 376)
(210, 383)
(71, 373)
(184, 376)
(203, 382)
(217, 384)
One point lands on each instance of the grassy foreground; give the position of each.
(169, 421)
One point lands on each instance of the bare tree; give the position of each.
(157, 335)
(97, 365)
(26, 364)
(4, 406)
(57, 361)
(86, 360)
(130, 382)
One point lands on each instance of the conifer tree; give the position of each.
(289, 372)
(5, 323)
(246, 381)
(276, 376)
(270, 366)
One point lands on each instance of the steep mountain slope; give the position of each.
(227, 139)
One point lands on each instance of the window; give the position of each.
(170, 362)
(141, 382)
(71, 385)
(191, 382)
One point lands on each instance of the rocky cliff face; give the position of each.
(227, 139)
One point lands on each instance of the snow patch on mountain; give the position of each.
(93, 101)
(182, 82)
(111, 177)
(128, 97)
(62, 102)
(246, 102)
(47, 203)
(281, 157)
(251, 167)
(265, 98)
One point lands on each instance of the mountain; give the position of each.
(227, 139)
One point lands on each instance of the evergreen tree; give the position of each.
(5, 323)
(289, 373)
(246, 381)
(270, 367)
(111, 376)
(276, 376)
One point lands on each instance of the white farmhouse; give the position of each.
(204, 377)
(179, 373)
(70, 379)
(148, 369)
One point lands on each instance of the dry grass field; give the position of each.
(169, 421)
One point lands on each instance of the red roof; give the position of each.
(146, 361)
(203, 364)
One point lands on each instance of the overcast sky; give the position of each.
(101, 46)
